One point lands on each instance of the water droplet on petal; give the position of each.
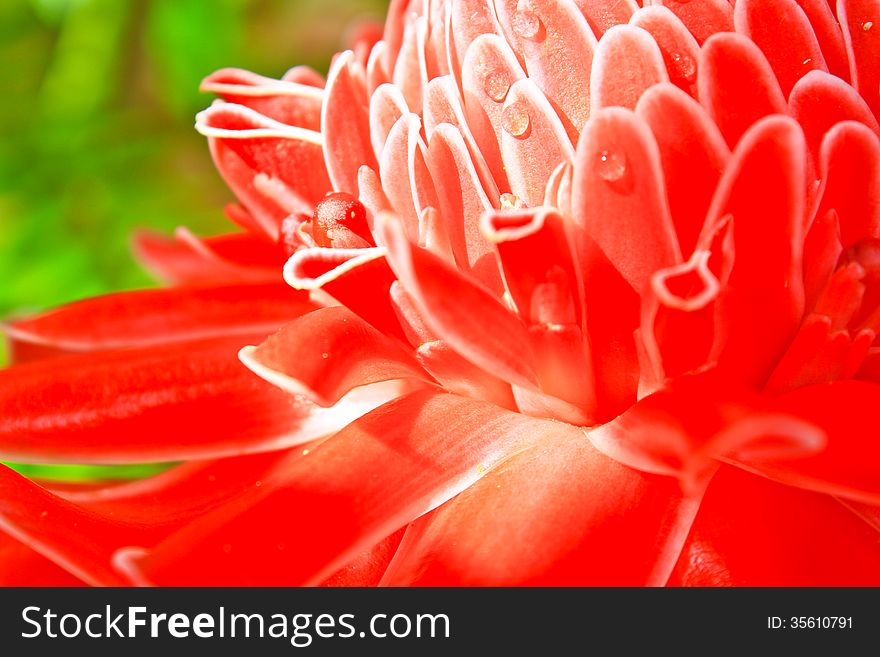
(867, 25)
(611, 166)
(325, 355)
(515, 119)
(496, 86)
(685, 67)
(526, 24)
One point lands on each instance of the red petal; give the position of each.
(819, 101)
(22, 566)
(850, 163)
(466, 316)
(627, 62)
(792, 57)
(849, 466)
(162, 403)
(147, 317)
(187, 260)
(860, 20)
(753, 532)
(292, 155)
(367, 569)
(328, 352)
(736, 85)
(559, 513)
(360, 279)
(350, 492)
(763, 189)
(827, 31)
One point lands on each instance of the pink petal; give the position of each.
(533, 141)
(463, 314)
(469, 20)
(407, 72)
(736, 85)
(559, 513)
(387, 105)
(763, 189)
(429, 446)
(345, 125)
(693, 155)
(679, 48)
(557, 46)
(627, 62)
(602, 15)
(791, 58)
(404, 173)
(619, 197)
(490, 69)
(753, 532)
(461, 201)
(328, 352)
(149, 317)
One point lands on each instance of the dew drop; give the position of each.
(227, 548)
(496, 86)
(685, 66)
(515, 119)
(612, 166)
(325, 355)
(867, 25)
(526, 24)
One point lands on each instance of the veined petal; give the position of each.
(428, 446)
(558, 513)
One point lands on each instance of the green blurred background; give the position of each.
(97, 115)
(98, 100)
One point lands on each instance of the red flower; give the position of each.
(617, 270)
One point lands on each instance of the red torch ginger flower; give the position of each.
(585, 292)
